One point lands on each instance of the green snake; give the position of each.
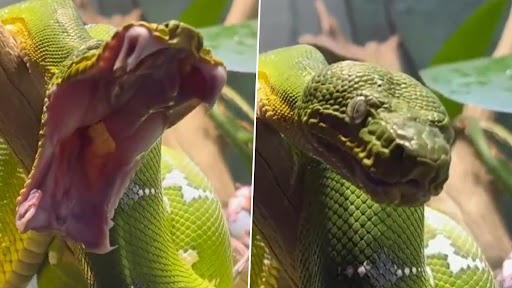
(373, 147)
(105, 205)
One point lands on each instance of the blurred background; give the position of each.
(423, 26)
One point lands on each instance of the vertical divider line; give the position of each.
(254, 145)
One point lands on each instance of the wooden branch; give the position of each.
(335, 46)
(276, 208)
(22, 91)
(242, 10)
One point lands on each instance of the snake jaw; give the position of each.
(408, 193)
(99, 125)
(418, 152)
(396, 160)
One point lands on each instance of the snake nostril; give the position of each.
(398, 153)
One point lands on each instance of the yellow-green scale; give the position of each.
(197, 217)
(147, 255)
(453, 255)
(20, 255)
(347, 240)
(50, 47)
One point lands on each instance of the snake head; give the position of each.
(383, 131)
(104, 110)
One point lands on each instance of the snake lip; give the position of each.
(98, 128)
(205, 83)
(396, 160)
(409, 192)
(406, 193)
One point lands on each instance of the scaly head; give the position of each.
(383, 131)
(105, 108)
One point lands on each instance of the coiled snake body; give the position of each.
(373, 147)
(126, 212)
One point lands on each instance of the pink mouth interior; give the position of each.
(74, 189)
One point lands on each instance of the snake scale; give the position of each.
(373, 146)
(105, 205)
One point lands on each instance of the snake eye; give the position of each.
(357, 109)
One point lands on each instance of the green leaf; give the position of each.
(462, 46)
(482, 24)
(485, 82)
(498, 167)
(235, 45)
(195, 13)
(235, 134)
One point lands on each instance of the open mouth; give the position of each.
(99, 126)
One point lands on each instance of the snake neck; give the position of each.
(346, 239)
(141, 225)
(45, 49)
(280, 86)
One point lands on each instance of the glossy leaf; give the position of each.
(203, 13)
(462, 46)
(473, 37)
(235, 132)
(236, 45)
(498, 167)
(485, 82)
